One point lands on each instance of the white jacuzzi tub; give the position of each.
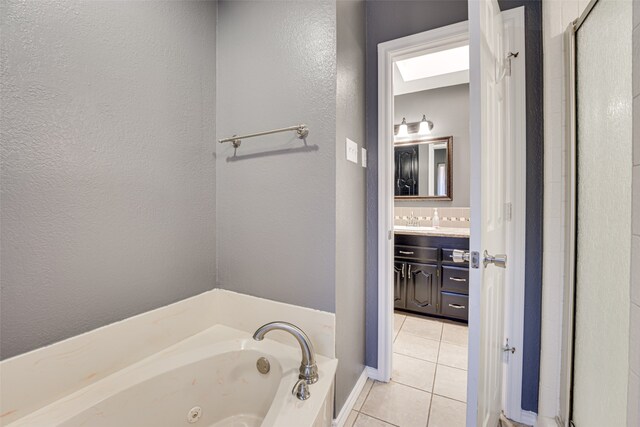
(207, 380)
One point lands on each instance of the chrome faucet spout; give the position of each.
(308, 367)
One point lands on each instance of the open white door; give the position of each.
(488, 226)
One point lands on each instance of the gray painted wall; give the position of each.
(288, 214)
(391, 19)
(350, 200)
(276, 199)
(388, 20)
(448, 109)
(108, 172)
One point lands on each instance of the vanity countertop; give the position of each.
(431, 231)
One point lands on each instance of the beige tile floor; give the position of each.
(429, 381)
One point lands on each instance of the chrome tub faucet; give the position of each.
(308, 366)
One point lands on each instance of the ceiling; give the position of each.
(431, 70)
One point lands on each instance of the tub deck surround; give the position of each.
(40, 377)
(35, 379)
(248, 313)
(216, 370)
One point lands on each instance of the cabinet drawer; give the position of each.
(455, 279)
(455, 305)
(417, 253)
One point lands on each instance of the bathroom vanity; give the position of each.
(426, 280)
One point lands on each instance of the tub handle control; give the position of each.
(301, 390)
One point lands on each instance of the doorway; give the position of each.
(434, 301)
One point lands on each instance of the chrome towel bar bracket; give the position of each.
(301, 131)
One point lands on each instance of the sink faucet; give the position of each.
(413, 221)
(308, 367)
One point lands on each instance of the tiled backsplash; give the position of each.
(449, 217)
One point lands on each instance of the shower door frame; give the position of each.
(571, 218)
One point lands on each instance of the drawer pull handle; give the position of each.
(406, 253)
(457, 306)
(457, 279)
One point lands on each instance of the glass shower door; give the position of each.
(603, 214)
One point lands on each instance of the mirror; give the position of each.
(423, 169)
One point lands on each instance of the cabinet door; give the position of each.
(422, 287)
(399, 288)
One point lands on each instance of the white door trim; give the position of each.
(514, 26)
(388, 52)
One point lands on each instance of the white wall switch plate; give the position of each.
(364, 157)
(352, 151)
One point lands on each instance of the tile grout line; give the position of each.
(450, 398)
(417, 336)
(376, 418)
(433, 386)
(411, 386)
(435, 373)
(416, 358)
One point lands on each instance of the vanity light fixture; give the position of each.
(425, 126)
(403, 130)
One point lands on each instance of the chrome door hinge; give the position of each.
(507, 65)
(508, 348)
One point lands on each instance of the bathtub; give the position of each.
(207, 380)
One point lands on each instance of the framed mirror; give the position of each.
(423, 169)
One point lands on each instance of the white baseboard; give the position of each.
(523, 417)
(351, 400)
(529, 418)
(373, 373)
(546, 422)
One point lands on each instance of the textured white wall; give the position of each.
(108, 170)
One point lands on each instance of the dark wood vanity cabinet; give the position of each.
(426, 280)
(422, 288)
(399, 288)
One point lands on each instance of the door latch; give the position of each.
(463, 256)
(475, 259)
(460, 256)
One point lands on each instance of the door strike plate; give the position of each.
(475, 259)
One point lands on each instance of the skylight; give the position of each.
(434, 64)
